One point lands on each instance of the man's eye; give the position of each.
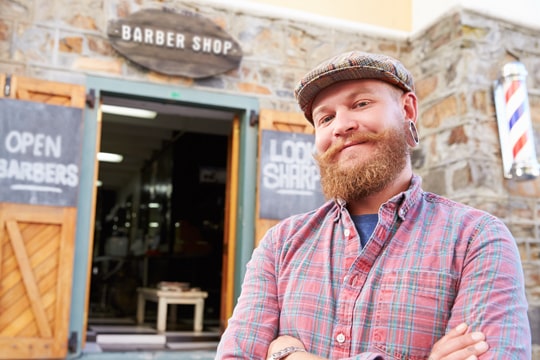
(325, 119)
(361, 104)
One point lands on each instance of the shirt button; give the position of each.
(340, 338)
(347, 232)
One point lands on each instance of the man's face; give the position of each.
(360, 136)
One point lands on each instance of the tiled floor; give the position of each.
(123, 335)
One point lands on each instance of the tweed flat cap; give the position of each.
(352, 65)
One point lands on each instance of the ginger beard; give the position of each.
(368, 176)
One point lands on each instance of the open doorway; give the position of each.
(160, 210)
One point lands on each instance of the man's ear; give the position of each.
(410, 107)
(410, 113)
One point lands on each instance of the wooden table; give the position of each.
(167, 297)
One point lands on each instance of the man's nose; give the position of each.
(344, 123)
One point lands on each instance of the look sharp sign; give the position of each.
(289, 178)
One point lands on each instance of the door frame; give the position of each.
(246, 107)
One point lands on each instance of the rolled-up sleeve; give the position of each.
(254, 322)
(491, 296)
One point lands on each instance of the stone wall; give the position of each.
(455, 63)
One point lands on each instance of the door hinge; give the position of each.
(72, 342)
(253, 118)
(91, 98)
(7, 86)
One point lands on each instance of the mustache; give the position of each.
(355, 138)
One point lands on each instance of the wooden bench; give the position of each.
(167, 297)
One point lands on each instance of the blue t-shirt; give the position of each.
(365, 224)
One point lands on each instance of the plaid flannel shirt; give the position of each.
(429, 265)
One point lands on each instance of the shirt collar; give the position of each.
(403, 201)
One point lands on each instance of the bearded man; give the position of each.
(383, 269)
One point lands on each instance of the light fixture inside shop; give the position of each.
(128, 111)
(109, 157)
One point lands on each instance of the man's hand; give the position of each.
(456, 345)
(281, 342)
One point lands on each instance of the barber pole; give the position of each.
(515, 125)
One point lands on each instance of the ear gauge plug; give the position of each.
(414, 134)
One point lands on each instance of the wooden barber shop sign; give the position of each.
(183, 44)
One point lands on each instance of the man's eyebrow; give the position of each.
(352, 94)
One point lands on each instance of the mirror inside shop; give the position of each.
(159, 215)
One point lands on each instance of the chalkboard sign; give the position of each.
(290, 178)
(40, 151)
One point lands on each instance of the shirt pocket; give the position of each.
(411, 312)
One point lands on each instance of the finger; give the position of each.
(465, 342)
(469, 353)
(453, 333)
(458, 345)
(457, 331)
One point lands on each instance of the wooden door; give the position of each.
(268, 119)
(279, 121)
(36, 252)
(229, 233)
